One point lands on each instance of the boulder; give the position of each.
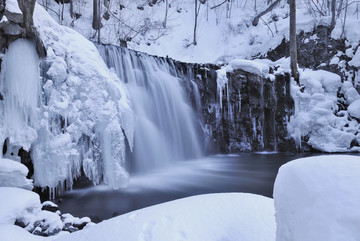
(13, 29)
(13, 12)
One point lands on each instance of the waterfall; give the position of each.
(165, 129)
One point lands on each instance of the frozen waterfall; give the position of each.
(165, 128)
(21, 87)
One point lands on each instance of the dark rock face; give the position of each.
(251, 116)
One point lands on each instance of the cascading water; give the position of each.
(165, 124)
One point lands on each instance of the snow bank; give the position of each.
(16, 233)
(17, 203)
(317, 114)
(232, 216)
(318, 198)
(13, 174)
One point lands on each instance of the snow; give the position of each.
(354, 109)
(355, 59)
(318, 198)
(317, 113)
(16, 233)
(249, 66)
(232, 216)
(17, 203)
(13, 7)
(13, 174)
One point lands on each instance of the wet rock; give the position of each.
(13, 12)
(13, 29)
(3, 22)
(50, 206)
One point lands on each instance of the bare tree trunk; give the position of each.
(71, 8)
(195, 25)
(96, 15)
(345, 15)
(166, 13)
(293, 46)
(62, 12)
(340, 7)
(271, 7)
(333, 14)
(96, 23)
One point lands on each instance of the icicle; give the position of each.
(22, 92)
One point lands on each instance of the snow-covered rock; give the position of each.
(13, 174)
(318, 198)
(231, 216)
(355, 59)
(354, 109)
(16, 203)
(249, 66)
(317, 114)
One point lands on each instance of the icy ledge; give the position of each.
(79, 118)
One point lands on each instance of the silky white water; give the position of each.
(165, 128)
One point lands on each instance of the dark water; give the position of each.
(245, 172)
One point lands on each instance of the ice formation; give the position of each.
(318, 198)
(79, 119)
(165, 129)
(21, 87)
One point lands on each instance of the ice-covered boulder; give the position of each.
(318, 198)
(13, 174)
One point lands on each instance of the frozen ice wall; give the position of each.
(21, 87)
(73, 118)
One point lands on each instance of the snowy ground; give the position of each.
(223, 33)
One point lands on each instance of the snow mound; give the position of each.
(354, 109)
(318, 198)
(317, 114)
(249, 66)
(232, 216)
(17, 203)
(16, 233)
(13, 174)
